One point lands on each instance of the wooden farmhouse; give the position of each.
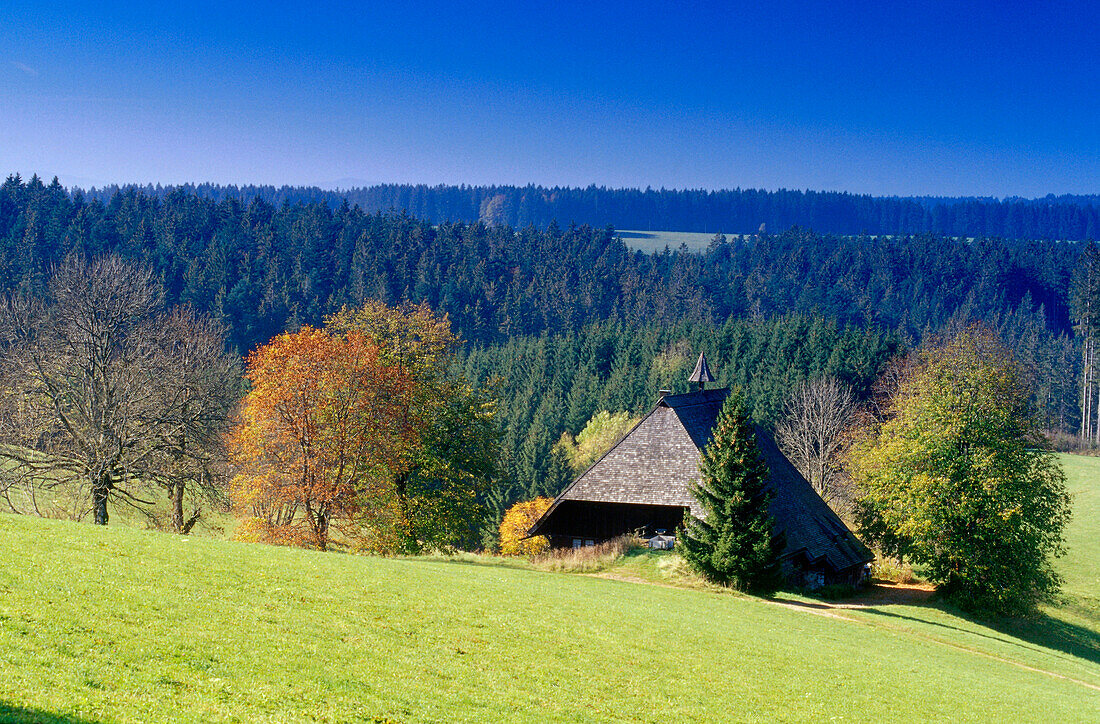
(644, 484)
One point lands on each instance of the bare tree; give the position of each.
(196, 397)
(811, 434)
(106, 396)
(884, 390)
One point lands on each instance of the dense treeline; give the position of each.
(548, 384)
(736, 211)
(264, 269)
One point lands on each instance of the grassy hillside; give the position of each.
(650, 241)
(1081, 566)
(129, 625)
(216, 521)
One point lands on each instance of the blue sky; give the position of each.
(943, 98)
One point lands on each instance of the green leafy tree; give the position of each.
(452, 472)
(600, 433)
(734, 544)
(959, 478)
(445, 480)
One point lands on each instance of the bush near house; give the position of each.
(517, 521)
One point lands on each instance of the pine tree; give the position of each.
(734, 544)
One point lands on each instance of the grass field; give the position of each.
(62, 502)
(650, 241)
(123, 624)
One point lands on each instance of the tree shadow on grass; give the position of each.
(26, 715)
(1042, 632)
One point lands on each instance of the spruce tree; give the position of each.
(734, 544)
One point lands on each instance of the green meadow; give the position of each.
(656, 241)
(127, 625)
(651, 241)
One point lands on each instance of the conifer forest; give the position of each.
(564, 320)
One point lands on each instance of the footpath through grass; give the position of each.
(128, 625)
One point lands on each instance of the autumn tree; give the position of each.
(107, 395)
(450, 464)
(321, 434)
(734, 543)
(600, 433)
(517, 521)
(959, 478)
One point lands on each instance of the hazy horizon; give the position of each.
(353, 184)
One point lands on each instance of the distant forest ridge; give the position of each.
(735, 211)
(569, 319)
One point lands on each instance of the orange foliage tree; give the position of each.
(321, 434)
(450, 466)
(517, 521)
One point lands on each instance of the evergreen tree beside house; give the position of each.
(735, 544)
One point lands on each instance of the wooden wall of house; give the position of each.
(603, 521)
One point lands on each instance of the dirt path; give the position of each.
(890, 594)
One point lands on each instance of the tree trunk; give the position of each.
(99, 502)
(1092, 387)
(322, 531)
(408, 537)
(190, 523)
(175, 496)
(1094, 392)
(1086, 383)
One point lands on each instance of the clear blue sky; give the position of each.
(887, 98)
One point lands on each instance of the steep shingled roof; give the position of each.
(657, 462)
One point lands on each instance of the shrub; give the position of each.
(893, 570)
(1066, 443)
(588, 559)
(517, 521)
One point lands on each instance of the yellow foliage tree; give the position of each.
(365, 427)
(959, 478)
(600, 433)
(517, 521)
(449, 466)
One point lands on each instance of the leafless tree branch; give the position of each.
(106, 395)
(811, 434)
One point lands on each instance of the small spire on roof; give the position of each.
(702, 374)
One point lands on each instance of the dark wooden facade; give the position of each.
(585, 520)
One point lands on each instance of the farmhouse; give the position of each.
(644, 483)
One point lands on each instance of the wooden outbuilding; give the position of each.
(643, 484)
